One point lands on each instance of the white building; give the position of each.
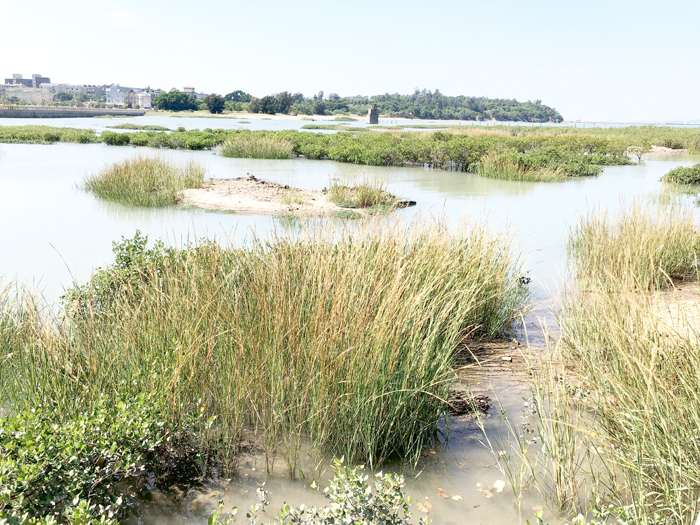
(144, 99)
(115, 95)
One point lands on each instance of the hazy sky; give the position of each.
(613, 60)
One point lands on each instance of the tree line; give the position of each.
(423, 104)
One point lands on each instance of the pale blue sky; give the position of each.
(595, 60)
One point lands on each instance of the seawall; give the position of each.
(62, 112)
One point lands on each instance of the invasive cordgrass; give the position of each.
(636, 371)
(145, 181)
(510, 167)
(369, 193)
(293, 196)
(651, 244)
(683, 176)
(348, 215)
(149, 127)
(256, 147)
(342, 343)
(45, 135)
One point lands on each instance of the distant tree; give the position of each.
(175, 101)
(268, 105)
(320, 107)
(298, 98)
(318, 96)
(333, 96)
(254, 106)
(238, 96)
(63, 96)
(215, 103)
(284, 102)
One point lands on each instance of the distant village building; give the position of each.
(115, 95)
(144, 99)
(35, 82)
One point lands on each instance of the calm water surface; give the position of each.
(53, 233)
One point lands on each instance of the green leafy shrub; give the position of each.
(351, 501)
(53, 464)
(683, 175)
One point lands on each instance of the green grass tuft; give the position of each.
(145, 181)
(256, 147)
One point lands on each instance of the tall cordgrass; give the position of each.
(642, 246)
(497, 165)
(339, 345)
(256, 146)
(637, 370)
(367, 194)
(145, 181)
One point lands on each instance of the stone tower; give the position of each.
(373, 115)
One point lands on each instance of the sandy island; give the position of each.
(251, 196)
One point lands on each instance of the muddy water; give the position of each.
(53, 233)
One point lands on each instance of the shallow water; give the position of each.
(53, 233)
(266, 123)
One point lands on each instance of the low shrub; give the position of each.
(682, 175)
(64, 466)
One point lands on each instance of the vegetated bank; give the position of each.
(618, 403)
(321, 344)
(536, 154)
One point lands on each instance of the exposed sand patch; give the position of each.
(251, 196)
(667, 151)
(678, 308)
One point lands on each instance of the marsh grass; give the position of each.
(139, 127)
(617, 394)
(497, 165)
(368, 193)
(256, 146)
(325, 343)
(640, 247)
(348, 215)
(145, 181)
(638, 371)
(293, 196)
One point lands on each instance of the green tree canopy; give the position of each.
(175, 101)
(215, 103)
(238, 96)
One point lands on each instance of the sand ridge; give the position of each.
(251, 196)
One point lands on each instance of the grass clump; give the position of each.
(348, 215)
(684, 176)
(640, 247)
(145, 181)
(315, 343)
(365, 195)
(293, 196)
(634, 371)
(150, 127)
(256, 146)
